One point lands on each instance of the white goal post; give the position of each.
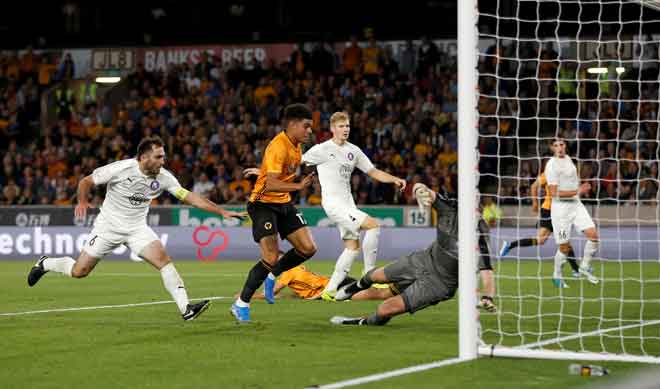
(585, 71)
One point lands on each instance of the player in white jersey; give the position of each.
(567, 211)
(131, 185)
(335, 160)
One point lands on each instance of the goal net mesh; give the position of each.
(586, 71)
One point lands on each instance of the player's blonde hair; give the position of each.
(338, 117)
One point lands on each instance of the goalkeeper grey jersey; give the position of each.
(443, 252)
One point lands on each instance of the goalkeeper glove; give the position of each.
(423, 195)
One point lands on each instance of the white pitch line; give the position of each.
(388, 374)
(76, 309)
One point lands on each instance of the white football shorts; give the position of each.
(565, 215)
(348, 219)
(103, 240)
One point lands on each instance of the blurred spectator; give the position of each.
(352, 56)
(217, 119)
(203, 186)
(67, 68)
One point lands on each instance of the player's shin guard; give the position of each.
(61, 265)
(559, 259)
(255, 278)
(590, 249)
(370, 248)
(291, 259)
(343, 266)
(174, 284)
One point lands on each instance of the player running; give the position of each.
(335, 160)
(567, 211)
(422, 278)
(271, 210)
(544, 225)
(131, 185)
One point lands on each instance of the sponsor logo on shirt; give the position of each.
(345, 170)
(137, 199)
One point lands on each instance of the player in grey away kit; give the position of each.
(419, 279)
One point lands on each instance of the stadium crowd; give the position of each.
(529, 94)
(217, 118)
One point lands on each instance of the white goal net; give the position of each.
(586, 71)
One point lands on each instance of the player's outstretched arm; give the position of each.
(387, 178)
(197, 201)
(84, 187)
(274, 184)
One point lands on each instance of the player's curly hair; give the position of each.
(147, 144)
(297, 111)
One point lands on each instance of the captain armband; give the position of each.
(181, 193)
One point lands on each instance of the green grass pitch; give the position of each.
(291, 344)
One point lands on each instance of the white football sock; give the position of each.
(174, 284)
(590, 249)
(241, 303)
(61, 265)
(559, 260)
(343, 266)
(370, 248)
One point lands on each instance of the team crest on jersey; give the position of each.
(268, 225)
(154, 185)
(350, 156)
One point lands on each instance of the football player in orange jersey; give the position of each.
(272, 212)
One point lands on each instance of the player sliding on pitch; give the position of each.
(422, 278)
(131, 185)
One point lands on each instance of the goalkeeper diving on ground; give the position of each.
(421, 278)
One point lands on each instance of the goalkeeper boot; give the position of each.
(328, 296)
(588, 274)
(37, 271)
(486, 303)
(343, 320)
(242, 314)
(559, 283)
(506, 247)
(269, 289)
(194, 310)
